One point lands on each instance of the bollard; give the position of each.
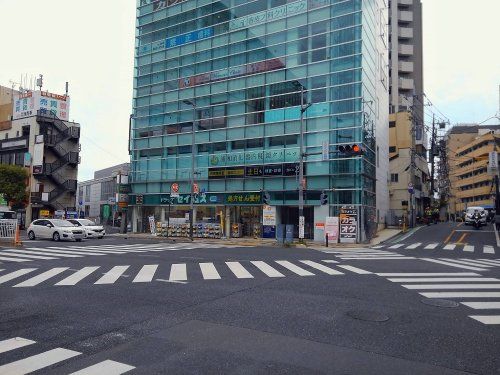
(326, 239)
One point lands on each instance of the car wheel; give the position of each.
(100, 237)
(56, 237)
(78, 240)
(31, 235)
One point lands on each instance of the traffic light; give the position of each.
(323, 198)
(351, 150)
(266, 198)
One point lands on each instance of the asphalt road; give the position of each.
(147, 307)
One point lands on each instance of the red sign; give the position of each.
(196, 189)
(175, 187)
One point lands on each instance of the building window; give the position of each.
(392, 124)
(394, 177)
(392, 148)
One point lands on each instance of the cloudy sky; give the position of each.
(90, 44)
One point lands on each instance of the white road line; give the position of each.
(295, 269)
(41, 278)
(469, 248)
(83, 251)
(476, 262)
(329, 261)
(107, 367)
(37, 362)
(90, 250)
(178, 272)
(377, 247)
(146, 274)
(407, 274)
(451, 286)
(46, 253)
(14, 343)
(486, 319)
(239, 271)
(378, 258)
(26, 256)
(267, 269)
(414, 245)
(482, 305)
(492, 261)
(15, 259)
(450, 247)
(56, 252)
(354, 269)
(321, 267)
(209, 271)
(397, 246)
(443, 279)
(466, 262)
(431, 246)
(461, 295)
(112, 275)
(13, 275)
(77, 276)
(488, 249)
(454, 264)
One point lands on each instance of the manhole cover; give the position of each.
(369, 316)
(439, 302)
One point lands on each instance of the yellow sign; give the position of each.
(44, 212)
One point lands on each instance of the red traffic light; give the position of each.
(354, 149)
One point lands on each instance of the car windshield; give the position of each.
(471, 210)
(87, 222)
(7, 215)
(62, 223)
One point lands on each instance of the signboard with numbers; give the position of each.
(348, 224)
(28, 103)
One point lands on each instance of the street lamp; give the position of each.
(193, 159)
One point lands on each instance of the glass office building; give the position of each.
(234, 71)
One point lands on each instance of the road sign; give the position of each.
(301, 226)
(410, 188)
(196, 188)
(174, 190)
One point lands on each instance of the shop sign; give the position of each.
(332, 228)
(243, 198)
(106, 211)
(302, 221)
(217, 173)
(44, 212)
(190, 37)
(291, 169)
(348, 224)
(152, 224)
(320, 226)
(254, 157)
(269, 215)
(124, 189)
(273, 170)
(254, 171)
(184, 199)
(52, 104)
(160, 4)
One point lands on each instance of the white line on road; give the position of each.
(14, 343)
(77, 276)
(469, 248)
(329, 261)
(321, 267)
(13, 275)
(239, 271)
(397, 246)
(8, 253)
(487, 249)
(461, 295)
(428, 274)
(451, 286)
(41, 278)
(267, 269)
(466, 262)
(414, 245)
(37, 362)
(46, 253)
(476, 262)
(431, 246)
(492, 261)
(209, 271)
(450, 247)
(454, 264)
(112, 275)
(107, 367)
(354, 269)
(146, 274)
(486, 319)
(178, 272)
(377, 258)
(482, 305)
(295, 269)
(442, 279)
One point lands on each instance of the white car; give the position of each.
(470, 213)
(91, 229)
(55, 229)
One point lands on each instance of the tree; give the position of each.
(13, 183)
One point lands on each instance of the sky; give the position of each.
(90, 44)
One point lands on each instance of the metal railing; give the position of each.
(8, 229)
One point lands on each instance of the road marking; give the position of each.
(37, 362)
(454, 264)
(449, 247)
(329, 261)
(449, 237)
(488, 261)
(469, 249)
(146, 274)
(377, 247)
(442, 279)
(466, 262)
(414, 245)
(13, 275)
(295, 269)
(397, 246)
(8, 253)
(209, 271)
(238, 270)
(378, 258)
(491, 260)
(428, 274)
(14, 343)
(477, 262)
(462, 238)
(431, 246)
(354, 269)
(112, 275)
(45, 253)
(107, 367)
(451, 286)
(487, 249)
(461, 295)
(178, 272)
(77, 276)
(486, 319)
(81, 252)
(267, 269)
(321, 267)
(482, 305)
(41, 278)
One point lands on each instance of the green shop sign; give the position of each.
(255, 157)
(237, 199)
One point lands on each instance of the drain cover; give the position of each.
(439, 302)
(369, 316)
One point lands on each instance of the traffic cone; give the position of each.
(17, 238)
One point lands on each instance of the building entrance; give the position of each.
(290, 215)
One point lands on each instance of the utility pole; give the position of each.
(433, 150)
(412, 167)
(193, 160)
(303, 108)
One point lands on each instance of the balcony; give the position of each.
(405, 16)
(483, 190)
(405, 49)
(405, 84)
(472, 180)
(405, 66)
(405, 32)
(405, 2)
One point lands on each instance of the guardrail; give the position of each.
(9, 231)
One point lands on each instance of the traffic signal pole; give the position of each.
(303, 108)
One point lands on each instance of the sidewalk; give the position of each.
(384, 235)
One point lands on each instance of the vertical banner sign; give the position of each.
(269, 215)
(174, 190)
(325, 150)
(348, 224)
(332, 228)
(493, 163)
(152, 226)
(301, 226)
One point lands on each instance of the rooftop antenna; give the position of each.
(39, 81)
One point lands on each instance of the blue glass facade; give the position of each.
(243, 64)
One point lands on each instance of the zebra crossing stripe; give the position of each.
(321, 267)
(493, 261)
(38, 362)
(14, 343)
(112, 275)
(14, 259)
(82, 251)
(178, 272)
(486, 319)
(209, 271)
(414, 246)
(408, 274)
(107, 367)
(26, 256)
(295, 269)
(469, 248)
(329, 261)
(431, 246)
(487, 249)
(454, 264)
(487, 262)
(475, 262)
(41, 278)
(451, 286)
(466, 262)
(354, 269)
(45, 253)
(461, 295)
(397, 246)
(450, 247)
(482, 305)
(442, 279)
(267, 269)
(146, 274)
(238, 270)
(77, 276)
(15, 274)
(377, 258)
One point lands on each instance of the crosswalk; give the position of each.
(176, 272)
(482, 249)
(365, 254)
(69, 252)
(467, 264)
(479, 293)
(56, 356)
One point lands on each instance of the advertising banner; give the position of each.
(348, 224)
(332, 228)
(152, 225)
(27, 104)
(269, 215)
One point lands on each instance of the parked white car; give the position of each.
(91, 229)
(55, 229)
(469, 220)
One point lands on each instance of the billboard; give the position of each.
(27, 104)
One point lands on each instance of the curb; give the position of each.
(496, 234)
